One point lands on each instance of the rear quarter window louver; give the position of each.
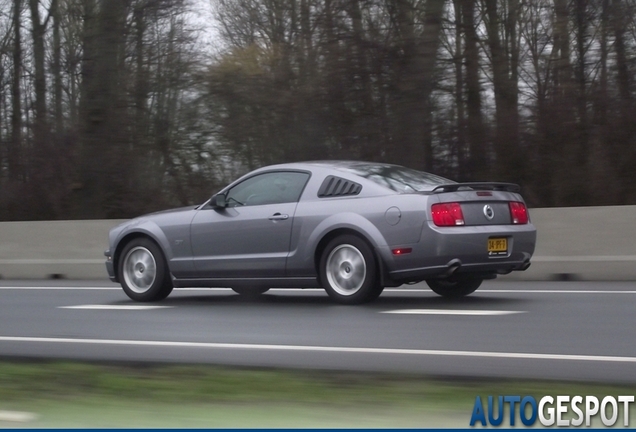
(335, 186)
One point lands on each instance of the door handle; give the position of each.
(278, 216)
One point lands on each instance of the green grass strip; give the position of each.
(64, 394)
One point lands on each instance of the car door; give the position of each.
(250, 237)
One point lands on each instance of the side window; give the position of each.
(268, 188)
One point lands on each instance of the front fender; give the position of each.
(138, 227)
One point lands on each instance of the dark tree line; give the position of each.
(536, 92)
(111, 108)
(100, 109)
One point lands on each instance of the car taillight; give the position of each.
(447, 214)
(518, 212)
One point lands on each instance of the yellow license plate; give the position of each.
(497, 245)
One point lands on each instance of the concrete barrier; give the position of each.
(58, 249)
(586, 243)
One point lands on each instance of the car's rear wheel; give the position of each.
(250, 291)
(454, 287)
(143, 271)
(348, 271)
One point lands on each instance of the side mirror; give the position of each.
(218, 201)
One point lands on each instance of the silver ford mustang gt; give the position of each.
(352, 228)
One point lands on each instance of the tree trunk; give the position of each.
(105, 166)
(623, 75)
(37, 32)
(582, 144)
(57, 68)
(367, 128)
(507, 146)
(625, 142)
(458, 60)
(478, 161)
(141, 77)
(416, 84)
(14, 155)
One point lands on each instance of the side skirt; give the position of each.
(307, 282)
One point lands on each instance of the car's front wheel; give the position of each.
(143, 271)
(454, 287)
(348, 271)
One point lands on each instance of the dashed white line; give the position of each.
(114, 307)
(584, 258)
(398, 311)
(557, 291)
(114, 288)
(394, 290)
(17, 416)
(312, 348)
(54, 288)
(452, 312)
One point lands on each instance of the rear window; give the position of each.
(397, 178)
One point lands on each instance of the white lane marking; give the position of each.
(87, 288)
(584, 258)
(395, 290)
(16, 416)
(520, 291)
(114, 307)
(314, 348)
(58, 288)
(451, 312)
(557, 291)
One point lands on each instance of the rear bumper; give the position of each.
(442, 252)
(455, 266)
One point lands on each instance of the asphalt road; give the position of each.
(550, 330)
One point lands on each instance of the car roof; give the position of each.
(340, 165)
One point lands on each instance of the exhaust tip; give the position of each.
(453, 265)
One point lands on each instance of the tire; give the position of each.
(454, 287)
(143, 272)
(250, 292)
(348, 271)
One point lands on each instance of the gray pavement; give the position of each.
(544, 330)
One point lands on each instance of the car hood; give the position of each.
(163, 212)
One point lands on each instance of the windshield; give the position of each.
(397, 178)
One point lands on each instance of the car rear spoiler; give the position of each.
(495, 186)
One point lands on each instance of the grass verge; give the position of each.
(65, 394)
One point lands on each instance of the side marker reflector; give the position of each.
(401, 251)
